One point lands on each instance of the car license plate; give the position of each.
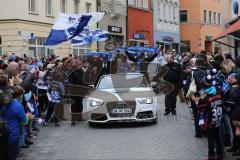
(122, 111)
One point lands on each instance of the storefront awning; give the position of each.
(233, 30)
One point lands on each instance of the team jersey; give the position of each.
(210, 107)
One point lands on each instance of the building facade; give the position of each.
(114, 22)
(25, 25)
(229, 18)
(140, 23)
(166, 24)
(199, 23)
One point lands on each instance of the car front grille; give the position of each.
(98, 117)
(144, 115)
(121, 105)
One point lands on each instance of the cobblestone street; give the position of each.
(171, 138)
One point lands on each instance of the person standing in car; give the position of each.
(142, 62)
(173, 76)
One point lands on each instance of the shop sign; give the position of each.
(143, 31)
(138, 36)
(115, 29)
(168, 38)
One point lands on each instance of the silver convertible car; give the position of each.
(121, 98)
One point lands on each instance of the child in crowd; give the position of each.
(210, 108)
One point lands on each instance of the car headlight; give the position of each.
(95, 103)
(145, 100)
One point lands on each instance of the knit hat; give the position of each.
(213, 72)
(207, 81)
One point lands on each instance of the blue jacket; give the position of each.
(15, 116)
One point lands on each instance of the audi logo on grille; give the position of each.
(121, 104)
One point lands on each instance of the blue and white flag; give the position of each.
(67, 26)
(88, 36)
(105, 55)
(143, 49)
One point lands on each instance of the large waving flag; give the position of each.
(67, 26)
(88, 36)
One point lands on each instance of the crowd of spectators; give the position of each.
(31, 88)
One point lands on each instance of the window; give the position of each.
(164, 11)
(131, 2)
(139, 3)
(76, 6)
(49, 8)
(214, 18)
(210, 17)
(88, 7)
(175, 14)
(219, 18)
(36, 47)
(32, 6)
(170, 12)
(50, 51)
(64, 6)
(160, 10)
(183, 16)
(81, 50)
(145, 4)
(205, 16)
(186, 47)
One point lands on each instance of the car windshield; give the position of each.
(122, 81)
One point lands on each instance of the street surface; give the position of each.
(171, 138)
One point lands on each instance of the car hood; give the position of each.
(122, 94)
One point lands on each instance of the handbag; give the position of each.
(192, 88)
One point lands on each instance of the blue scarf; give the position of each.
(212, 91)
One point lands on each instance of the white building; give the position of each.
(166, 24)
(114, 22)
(25, 24)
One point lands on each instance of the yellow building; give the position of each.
(200, 22)
(25, 25)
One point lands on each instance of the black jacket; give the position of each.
(235, 95)
(76, 77)
(174, 74)
(198, 74)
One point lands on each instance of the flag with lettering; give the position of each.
(88, 36)
(67, 26)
